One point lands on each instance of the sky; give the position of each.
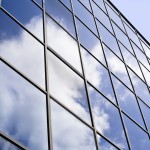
(137, 12)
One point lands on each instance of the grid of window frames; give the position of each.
(74, 74)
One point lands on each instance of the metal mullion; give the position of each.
(21, 25)
(12, 141)
(85, 80)
(70, 111)
(128, 143)
(48, 104)
(22, 75)
(143, 101)
(38, 5)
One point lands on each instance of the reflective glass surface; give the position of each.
(86, 3)
(21, 50)
(6, 145)
(117, 67)
(68, 87)
(83, 14)
(66, 3)
(67, 47)
(105, 116)
(22, 110)
(32, 19)
(100, 3)
(146, 48)
(62, 15)
(139, 139)
(94, 46)
(104, 145)
(127, 99)
(97, 75)
(108, 39)
(138, 85)
(39, 2)
(68, 132)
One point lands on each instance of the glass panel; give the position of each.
(66, 3)
(97, 75)
(105, 116)
(22, 110)
(131, 61)
(86, 3)
(32, 19)
(68, 132)
(133, 36)
(101, 16)
(39, 2)
(61, 14)
(138, 85)
(117, 67)
(146, 112)
(61, 42)
(108, 39)
(141, 56)
(104, 145)
(146, 74)
(84, 15)
(146, 48)
(94, 46)
(68, 87)
(122, 38)
(6, 145)
(100, 3)
(21, 50)
(127, 99)
(114, 16)
(139, 139)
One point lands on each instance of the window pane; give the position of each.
(108, 39)
(117, 67)
(61, 42)
(32, 19)
(127, 99)
(68, 87)
(94, 46)
(22, 110)
(21, 50)
(84, 15)
(139, 139)
(61, 14)
(138, 85)
(6, 145)
(97, 75)
(86, 3)
(66, 3)
(39, 2)
(68, 132)
(131, 61)
(100, 3)
(105, 116)
(146, 48)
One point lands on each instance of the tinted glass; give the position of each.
(21, 50)
(61, 42)
(100, 3)
(127, 99)
(62, 15)
(66, 3)
(39, 2)
(22, 110)
(86, 3)
(31, 19)
(146, 48)
(108, 39)
(138, 138)
(105, 116)
(68, 87)
(85, 16)
(94, 46)
(68, 132)
(97, 75)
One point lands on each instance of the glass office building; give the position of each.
(74, 75)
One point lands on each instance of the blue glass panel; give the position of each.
(100, 3)
(27, 13)
(94, 46)
(22, 110)
(139, 139)
(86, 3)
(97, 75)
(61, 14)
(39, 2)
(66, 3)
(68, 132)
(68, 87)
(21, 50)
(107, 119)
(127, 99)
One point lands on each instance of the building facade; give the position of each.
(74, 75)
